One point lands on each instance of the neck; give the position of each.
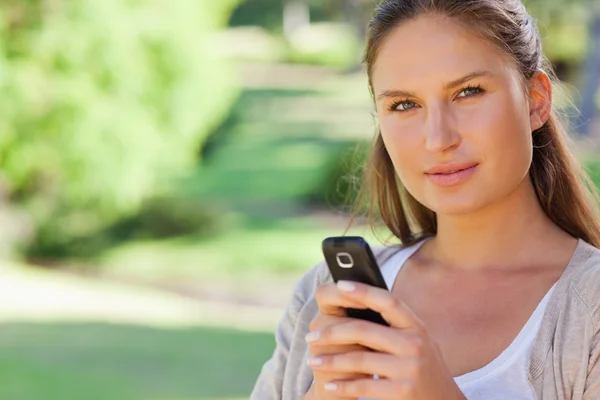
(504, 233)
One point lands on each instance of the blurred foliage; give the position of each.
(563, 27)
(102, 102)
(592, 167)
(330, 44)
(254, 44)
(321, 43)
(265, 13)
(105, 103)
(160, 217)
(342, 178)
(268, 13)
(286, 144)
(329, 40)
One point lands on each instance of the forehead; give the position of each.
(432, 50)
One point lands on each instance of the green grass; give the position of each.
(243, 253)
(66, 337)
(70, 361)
(278, 143)
(256, 264)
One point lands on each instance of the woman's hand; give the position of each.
(408, 364)
(330, 314)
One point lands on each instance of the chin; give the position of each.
(457, 206)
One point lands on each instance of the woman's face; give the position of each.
(453, 114)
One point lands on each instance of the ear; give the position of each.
(540, 99)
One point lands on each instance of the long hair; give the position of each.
(563, 188)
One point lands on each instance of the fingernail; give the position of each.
(312, 336)
(346, 286)
(314, 361)
(330, 387)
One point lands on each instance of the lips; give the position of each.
(450, 168)
(447, 175)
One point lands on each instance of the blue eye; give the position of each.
(407, 105)
(470, 91)
(402, 106)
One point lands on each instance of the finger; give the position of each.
(321, 321)
(392, 309)
(383, 389)
(366, 362)
(324, 377)
(327, 350)
(400, 343)
(332, 302)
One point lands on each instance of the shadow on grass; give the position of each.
(256, 104)
(64, 361)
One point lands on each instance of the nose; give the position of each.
(440, 133)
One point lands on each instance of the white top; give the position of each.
(506, 377)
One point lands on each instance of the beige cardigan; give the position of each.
(565, 360)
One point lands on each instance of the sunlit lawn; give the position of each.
(65, 337)
(280, 249)
(64, 361)
(254, 264)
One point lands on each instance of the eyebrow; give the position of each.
(448, 86)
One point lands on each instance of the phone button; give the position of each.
(344, 260)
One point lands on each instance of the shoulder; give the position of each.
(585, 283)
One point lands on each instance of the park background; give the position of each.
(168, 169)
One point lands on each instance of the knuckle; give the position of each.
(358, 328)
(359, 360)
(420, 329)
(316, 322)
(391, 302)
(324, 333)
(415, 346)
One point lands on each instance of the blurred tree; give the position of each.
(271, 14)
(102, 101)
(571, 37)
(591, 85)
(357, 12)
(263, 13)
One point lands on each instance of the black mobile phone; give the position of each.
(350, 258)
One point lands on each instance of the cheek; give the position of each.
(499, 131)
(404, 141)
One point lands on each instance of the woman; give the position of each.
(495, 293)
